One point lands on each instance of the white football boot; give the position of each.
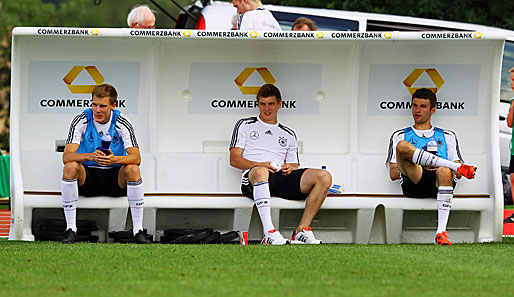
(273, 237)
(305, 237)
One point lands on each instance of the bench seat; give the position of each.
(343, 218)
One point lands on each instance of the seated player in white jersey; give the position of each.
(253, 16)
(267, 152)
(427, 160)
(88, 171)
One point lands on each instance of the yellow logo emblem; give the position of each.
(320, 35)
(83, 89)
(246, 73)
(254, 34)
(478, 35)
(186, 33)
(94, 32)
(416, 73)
(388, 35)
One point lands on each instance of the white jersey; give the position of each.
(262, 142)
(452, 145)
(259, 19)
(123, 127)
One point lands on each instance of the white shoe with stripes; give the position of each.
(305, 237)
(273, 237)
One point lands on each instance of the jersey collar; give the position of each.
(264, 123)
(424, 133)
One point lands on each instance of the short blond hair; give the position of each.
(105, 90)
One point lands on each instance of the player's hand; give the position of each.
(95, 155)
(271, 169)
(104, 160)
(287, 169)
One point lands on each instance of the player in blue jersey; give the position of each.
(90, 172)
(427, 160)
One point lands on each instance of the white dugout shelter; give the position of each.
(344, 94)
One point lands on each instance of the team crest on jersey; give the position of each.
(115, 138)
(282, 141)
(440, 142)
(254, 135)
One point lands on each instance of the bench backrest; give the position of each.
(184, 92)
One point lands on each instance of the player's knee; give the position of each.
(444, 174)
(258, 174)
(325, 178)
(132, 172)
(71, 170)
(403, 146)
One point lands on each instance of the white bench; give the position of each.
(184, 139)
(363, 217)
(346, 218)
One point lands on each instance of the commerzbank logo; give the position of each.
(415, 75)
(83, 89)
(246, 73)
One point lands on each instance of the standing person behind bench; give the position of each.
(267, 152)
(89, 172)
(427, 160)
(141, 17)
(253, 16)
(510, 122)
(304, 24)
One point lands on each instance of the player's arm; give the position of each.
(70, 154)
(453, 151)
(133, 157)
(291, 161)
(237, 160)
(394, 173)
(457, 175)
(511, 115)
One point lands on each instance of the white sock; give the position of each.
(444, 204)
(424, 158)
(136, 200)
(70, 196)
(262, 198)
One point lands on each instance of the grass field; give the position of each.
(86, 269)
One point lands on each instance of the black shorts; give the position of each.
(511, 166)
(102, 182)
(426, 188)
(283, 186)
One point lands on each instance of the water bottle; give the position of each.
(106, 143)
(432, 147)
(335, 188)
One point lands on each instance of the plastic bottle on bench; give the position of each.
(335, 188)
